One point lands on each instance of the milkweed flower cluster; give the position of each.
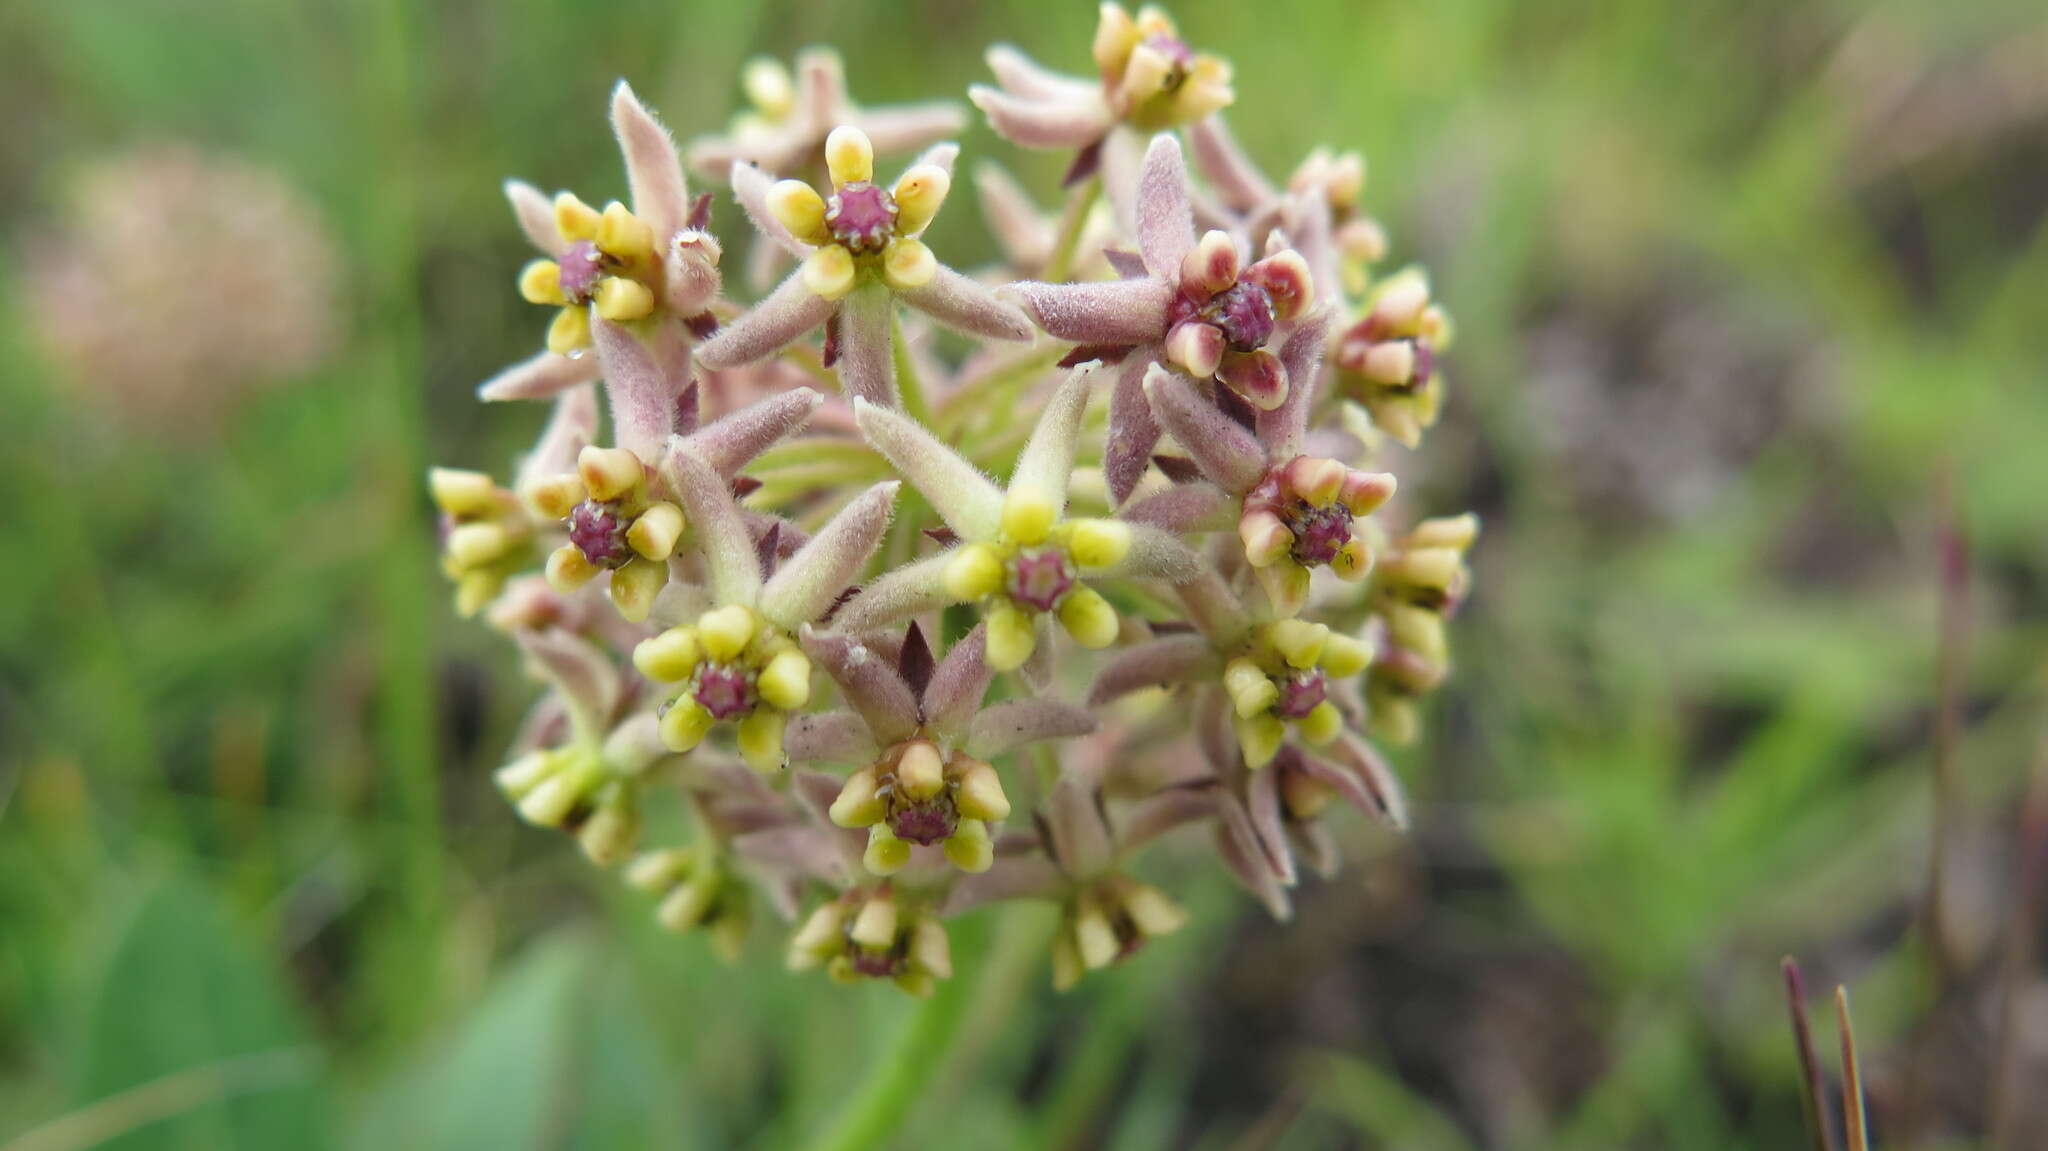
(896, 626)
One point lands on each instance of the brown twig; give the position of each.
(1856, 1137)
(1815, 1094)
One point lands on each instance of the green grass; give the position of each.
(255, 890)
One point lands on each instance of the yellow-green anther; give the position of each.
(974, 572)
(786, 681)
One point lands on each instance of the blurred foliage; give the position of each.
(1737, 283)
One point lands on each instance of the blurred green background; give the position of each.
(1753, 310)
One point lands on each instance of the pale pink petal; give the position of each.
(1231, 457)
(1133, 431)
(964, 305)
(1047, 461)
(719, 534)
(1223, 163)
(1012, 877)
(1238, 842)
(1154, 554)
(833, 736)
(1175, 659)
(1389, 798)
(821, 99)
(1037, 671)
(580, 670)
(571, 427)
(870, 683)
(888, 600)
(1080, 838)
(1123, 156)
(812, 579)
(543, 377)
(778, 321)
(654, 172)
(967, 500)
(940, 155)
(1117, 312)
(1312, 842)
(536, 215)
(750, 187)
(1064, 123)
(1262, 805)
(1166, 229)
(901, 127)
(1283, 429)
(867, 360)
(958, 684)
(1184, 508)
(1164, 811)
(729, 443)
(1013, 723)
(1024, 235)
(643, 380)
(1022, 76)
(1213, 607)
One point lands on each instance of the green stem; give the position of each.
(918, 1054)
(1073, 220)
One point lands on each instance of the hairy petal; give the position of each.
(1118, 312)
(809, 581)
(788, 312)
(1214, 608)
(580, 670)
(1012, 877)
(654, 172)
(1023, 76)
(750, 187)
(1262, 804)
(643, 380)
(967, 500)
(1238, 842)
(536, 216)
(1166, 228)
(731, 442)
(1156, 554)
(1236, 179)
(1163, 811)
(821, 89)
(1184, 508)
(1154, 663)
(958, 684)
(571, 426)
(965, 305)
(1080, 837)
(1047, 461)
(1388, 798)
(539, 378)
(899, 128)
(722, 538)
(1133, 430)
(836, 736)
(870, 682)
(1010, 214)
(1013, 723)
(895, 596)
(1228, 455)
(867, 361)
(1283, 429)
(1059, 123)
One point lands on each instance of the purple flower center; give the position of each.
(876, 964)
(924, 823)
(1244, 312)
(1176, 50)
(724, 691)
(1320, 533)
(1299, 694)
(599, 532)
(862, 216)
(582, 267)
(1039, 578)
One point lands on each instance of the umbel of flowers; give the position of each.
(912, 630)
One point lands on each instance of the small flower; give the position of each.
(1106, 922)
(789, 116)
(1420, 582)
(924, 747)
(1387, 360)
(868, 934)
(1196, 307)
(697, 889)
(1149, 79)
(861, 251)
(1020, 558)
(738, 661)
(614, 525)
(486, 535)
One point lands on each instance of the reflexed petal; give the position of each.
(809, 581)
(1214, 608)
(1013, 877)
(544, 376)
(1063, 123)
(967, 306)
(535, 211)
(870, 683)
(1231, 457)
(958, 684)
(654, 171)
(720, 535)
(1117, 312)
(1226, 167)
(821, 99)
(1238, 843)
(787, 313)
(905, 126)
(1262, 804)
(1025, 238)
(1155, 663)
(1161, 812)
(1080, 839)
(1047, 461)
(731, 442)
(1166, 228)
(1283, 429)
(1183, 508)
(643, 380)
(1133, 430)
(1156, 554)
(1389, 798)
(750, 187)
(1023, 76)
(1015, 722)
(580, 670)
(837, 736)
(867, 361)
(970, 504)
(897, 595)
(571, 426)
